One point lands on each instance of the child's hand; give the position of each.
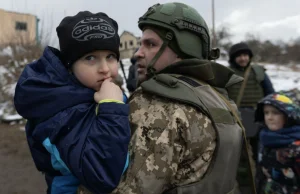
(108, 90)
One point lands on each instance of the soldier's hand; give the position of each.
(108, 90)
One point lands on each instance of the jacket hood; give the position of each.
(284, 104)
(45, 88)
(236, 50)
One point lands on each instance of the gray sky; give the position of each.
(268, 19)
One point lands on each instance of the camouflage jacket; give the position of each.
(172, 144)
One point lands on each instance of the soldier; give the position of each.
(184, 135)
(256, 85)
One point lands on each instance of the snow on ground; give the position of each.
(2, 107)
(284, 80)
(282, 77)
(126, 63)
(10, 89)
(7, 51)
(14, 117)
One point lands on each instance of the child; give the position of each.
(78, 128)
(279, 154)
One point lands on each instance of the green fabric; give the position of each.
(221, 116)
(210, 72)
(168, 86)
(259, 72)
(253, 91)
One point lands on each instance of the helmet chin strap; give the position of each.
(151, 71)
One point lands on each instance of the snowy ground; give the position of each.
(283, 78)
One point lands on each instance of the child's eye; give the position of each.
(89, 58)
(111, 56)
(276, 112)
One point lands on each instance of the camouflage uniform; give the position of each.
(172, 144)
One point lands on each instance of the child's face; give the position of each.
(93, 68)
(274, 119)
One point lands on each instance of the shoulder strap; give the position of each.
(245, 142)
(235, 114)
(241, 92)
(170, 86)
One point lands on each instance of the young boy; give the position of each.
(279, 154)
(78, 128)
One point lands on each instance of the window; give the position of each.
(21, 26)
(121, 45)
(125, 45)
(131, 43)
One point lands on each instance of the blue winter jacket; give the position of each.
(68, 141)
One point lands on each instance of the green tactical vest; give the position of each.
(221, 175)
(253, 91)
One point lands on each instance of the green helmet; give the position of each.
(184, 24)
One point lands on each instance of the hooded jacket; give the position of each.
(68, 141)
(279, 152)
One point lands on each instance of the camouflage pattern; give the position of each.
(172, 144)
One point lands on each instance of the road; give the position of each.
(18, 174)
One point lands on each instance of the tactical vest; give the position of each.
(220, 178)
(253, 91)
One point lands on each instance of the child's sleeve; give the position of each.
(94, 148)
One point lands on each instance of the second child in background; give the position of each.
(279, 154)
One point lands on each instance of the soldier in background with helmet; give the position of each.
(185, 138)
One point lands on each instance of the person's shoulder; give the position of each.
(258, 67)
(151, 102)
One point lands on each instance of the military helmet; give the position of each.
(185, 24)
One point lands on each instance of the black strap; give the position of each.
(122, 67)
